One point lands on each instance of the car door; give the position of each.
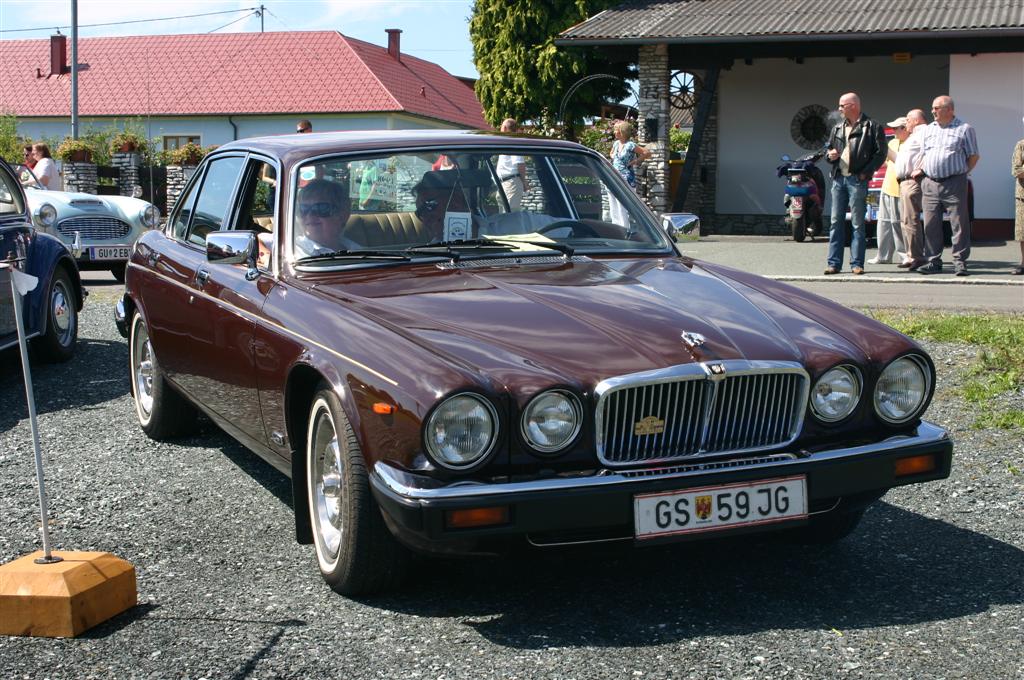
(15, 240)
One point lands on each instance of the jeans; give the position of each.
(853, 192)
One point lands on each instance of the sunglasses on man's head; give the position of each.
(319, 209)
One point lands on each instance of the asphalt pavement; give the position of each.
(989, 287)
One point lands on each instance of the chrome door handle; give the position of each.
(152, 258)
(201, 277)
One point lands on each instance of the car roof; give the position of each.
(297, 146)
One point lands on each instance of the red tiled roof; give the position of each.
(232, 73)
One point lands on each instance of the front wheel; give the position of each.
(355, 550)
(162, 412)
(798, 227)
(57, 342)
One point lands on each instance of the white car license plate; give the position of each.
(109, 252)
(711, 508)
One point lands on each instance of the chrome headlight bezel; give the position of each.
(927, 378)
(577, 411)
(434, 449)
(850, 372)
(150, 216)
(45, 216)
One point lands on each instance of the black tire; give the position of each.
(355, 550)
(798, 227)
(118, 272)
(828, 527)
(57, 343)
(162, 412)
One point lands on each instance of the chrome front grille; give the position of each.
(98, 228)
(699, 409)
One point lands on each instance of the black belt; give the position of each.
(942, 179)
(904, 178)
(505, 179)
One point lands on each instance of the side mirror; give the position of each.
(231, 247)
(681, 226)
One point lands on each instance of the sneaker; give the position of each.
(906, 264)
(1017, 271)
(875, 260)
(960, 269)
(858, 270)
(831, 270)
(930, 268)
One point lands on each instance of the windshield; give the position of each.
(466, 203)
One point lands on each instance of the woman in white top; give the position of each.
(45, 169)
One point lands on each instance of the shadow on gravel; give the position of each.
(97, 373)
(898, 568)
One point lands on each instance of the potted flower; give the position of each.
(187, 154)
(75, 151)
(126, 142)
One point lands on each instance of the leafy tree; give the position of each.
(523, 73)
(11, 146)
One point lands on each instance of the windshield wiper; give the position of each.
(550, 245)
(356, 255)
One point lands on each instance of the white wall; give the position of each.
(217, 129)
(757, 104)
(988, 91)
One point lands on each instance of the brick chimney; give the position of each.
(59, 55)
(394, 43)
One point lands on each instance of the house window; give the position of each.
(178, 141)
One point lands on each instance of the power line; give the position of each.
(134, 21)
(250, 14)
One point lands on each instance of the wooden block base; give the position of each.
(66, 598)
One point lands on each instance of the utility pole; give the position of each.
(260, 12)
(74, 69)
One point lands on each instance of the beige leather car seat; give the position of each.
(375, 230)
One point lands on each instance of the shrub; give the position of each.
(127, 138)
(188, 154)
(70, 147)
(678, 140)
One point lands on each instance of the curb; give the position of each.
(922, 279)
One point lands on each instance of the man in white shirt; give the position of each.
(908, 158)
(512, 171)
(45, 170)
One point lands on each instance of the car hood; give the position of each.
(578, 323)
(70, 201)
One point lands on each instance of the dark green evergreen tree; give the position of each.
(523, 74)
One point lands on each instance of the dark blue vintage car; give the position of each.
(51, 310)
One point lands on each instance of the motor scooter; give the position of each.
(805, 191)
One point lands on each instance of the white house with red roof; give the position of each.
(213, 88)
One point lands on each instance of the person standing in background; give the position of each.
(512, 171)
(909, 158)
(303, 126)
(1017, 170)
(45, 169)
(889, 231)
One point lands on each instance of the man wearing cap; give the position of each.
(856, 148)
(889, 232)
(950, 152)
(908, 158)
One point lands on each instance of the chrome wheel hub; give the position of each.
(144, 371)
(62, 313)
(327, 483)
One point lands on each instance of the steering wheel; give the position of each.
(577, 229)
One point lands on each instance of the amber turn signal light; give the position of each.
(476, 517)
(383, 408)
(915, 465)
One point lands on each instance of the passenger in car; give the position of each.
(436, 197)
(321, 213)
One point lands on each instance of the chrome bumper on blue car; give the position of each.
(415, 504)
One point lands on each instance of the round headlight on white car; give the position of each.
(461, 431)
(150, 217)
(902, 388)
(552, 420)
(836, 394)
(45, 215)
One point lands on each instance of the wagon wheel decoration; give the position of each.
(684, 90)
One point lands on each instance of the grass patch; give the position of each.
(999, 366)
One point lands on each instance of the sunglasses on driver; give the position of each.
(319, 209)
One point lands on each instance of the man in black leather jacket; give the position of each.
(856, 148)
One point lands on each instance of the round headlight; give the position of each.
(46, 215)
(902, 389)
(836, 394)
(552, 420)
(461, 431)
(150, 216)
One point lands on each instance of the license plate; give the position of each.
(712, 508)
(109, 252)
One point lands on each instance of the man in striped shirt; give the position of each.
(950, 152)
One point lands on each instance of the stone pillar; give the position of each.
(654, 106)
(80, 177)
(177, 177)
(700, 199)
(128, 164)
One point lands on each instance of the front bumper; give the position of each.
(583, 508)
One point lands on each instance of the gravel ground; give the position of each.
(930, 586)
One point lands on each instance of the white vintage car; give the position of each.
(98, 230)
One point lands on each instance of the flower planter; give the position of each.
(80, 157)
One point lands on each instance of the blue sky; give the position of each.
(435, 30)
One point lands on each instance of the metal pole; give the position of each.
(44, 511)
(262, 9)
(74, 69)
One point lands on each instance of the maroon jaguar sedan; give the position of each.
(463, 360)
